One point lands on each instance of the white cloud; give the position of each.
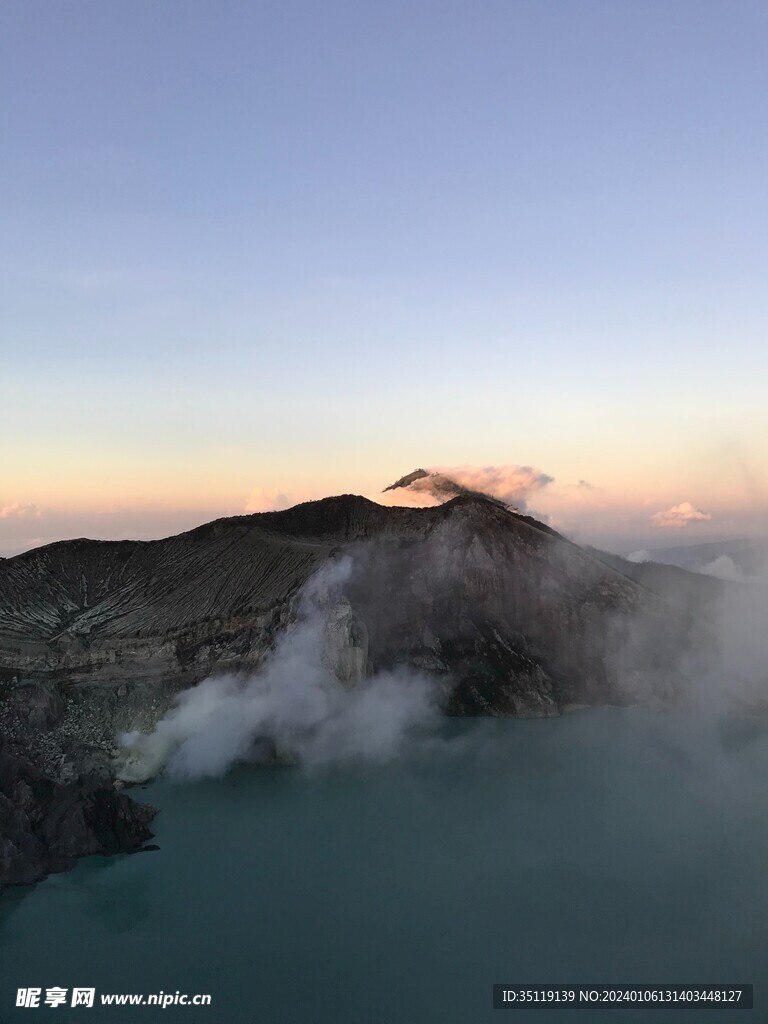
(679, 516)
(263, 500)
(510, 484)
(16, 511)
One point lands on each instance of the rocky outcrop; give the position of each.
(346, 644)
(45, 826)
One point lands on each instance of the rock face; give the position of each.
(46, 825)
(346, 645)
(98, 637)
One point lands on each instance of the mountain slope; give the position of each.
(166, 613)
(98, 637)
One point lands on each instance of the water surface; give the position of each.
(604, 846)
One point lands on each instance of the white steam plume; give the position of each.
(724, 568)
(295, 709)
(640, 556)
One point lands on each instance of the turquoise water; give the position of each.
(604, 846)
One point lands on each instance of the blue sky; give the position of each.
(305, 247)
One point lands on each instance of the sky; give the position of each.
(257, 253)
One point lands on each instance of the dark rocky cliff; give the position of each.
(46, 825)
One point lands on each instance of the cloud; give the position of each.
(16, 511)
(262, 500)
(679, 516)
(508, 483)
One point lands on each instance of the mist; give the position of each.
(310, 704)
(718, 665)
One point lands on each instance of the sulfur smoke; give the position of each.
(301, 707)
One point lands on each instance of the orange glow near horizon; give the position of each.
(75, 491)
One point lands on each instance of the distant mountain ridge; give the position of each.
(744, 559)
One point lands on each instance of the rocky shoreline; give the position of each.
(46, 826)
